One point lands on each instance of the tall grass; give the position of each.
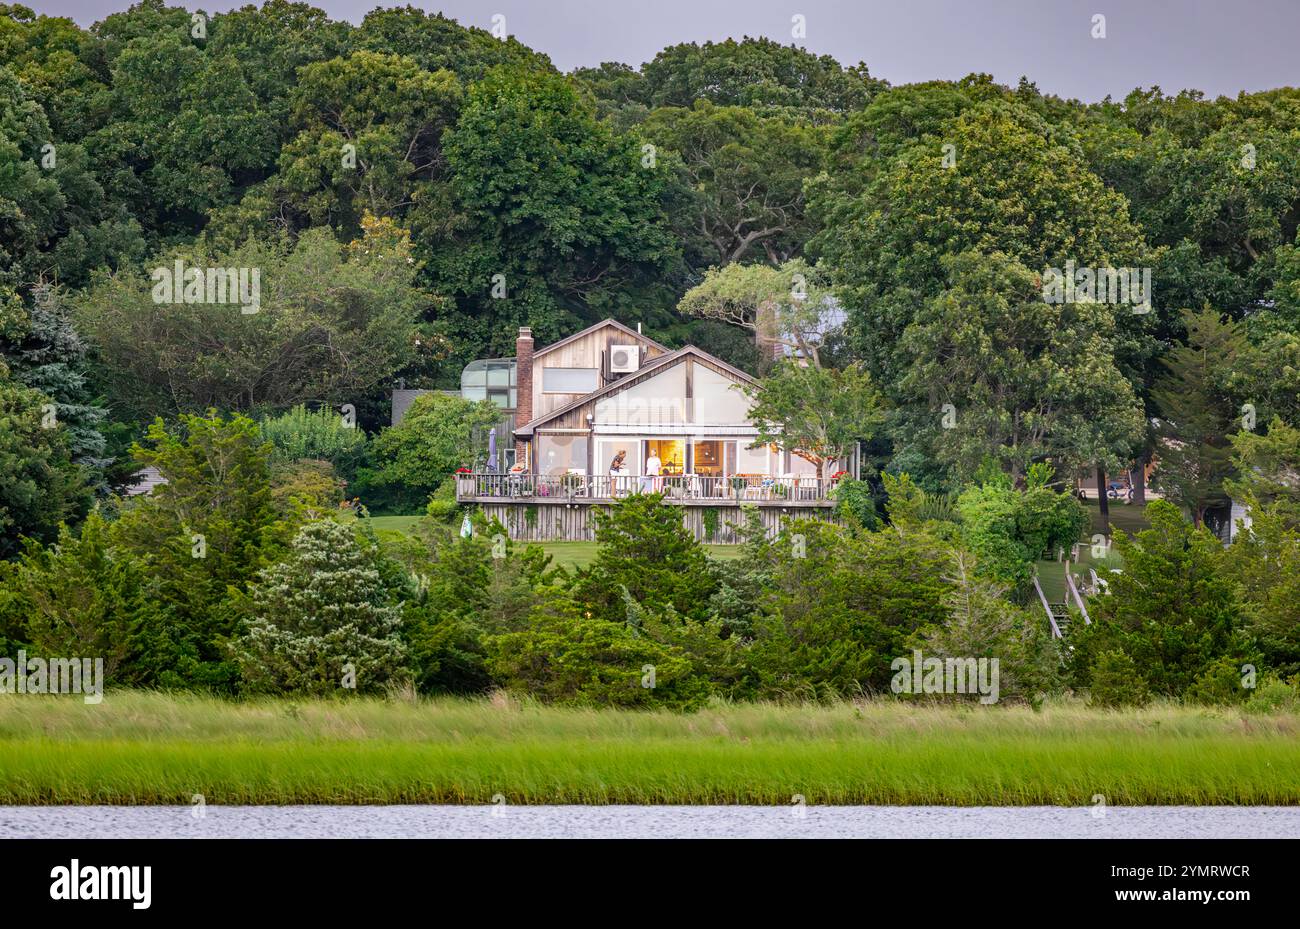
(150, 748)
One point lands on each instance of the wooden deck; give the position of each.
(685, 490)
(563, 508)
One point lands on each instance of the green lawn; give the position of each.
(564, 554)
(1126, 516)
(137, 748)
(390, 526)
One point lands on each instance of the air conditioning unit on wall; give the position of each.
(624, 359)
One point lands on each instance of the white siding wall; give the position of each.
(718, 402)
(657, 400)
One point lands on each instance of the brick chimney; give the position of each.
(523, 388)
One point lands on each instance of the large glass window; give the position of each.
(561, 454)
(754, 460)
(608, 449)
(490, 379)
(569, 380)
(800, 466)
(671, 454)
(710, 456)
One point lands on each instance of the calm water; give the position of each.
(647, 822)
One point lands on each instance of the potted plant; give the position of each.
(572, 483)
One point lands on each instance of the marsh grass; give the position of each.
(141, 748)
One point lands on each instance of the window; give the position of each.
(490, 379)
(561, 454)
(753, 460)
(711, 456)
(569, 380)
(671, 454)
(607, 449)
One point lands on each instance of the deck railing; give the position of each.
(679, 488)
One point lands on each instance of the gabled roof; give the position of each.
(600, 325)
(650, 367)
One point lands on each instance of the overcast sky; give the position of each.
(1218, 46)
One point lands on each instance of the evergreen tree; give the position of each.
(1197, 414)
(465, 594)
(45, 352)
(82, 597)
(840, 607)
(647, 552)
(209, 528)
(982, 624)
(1264, 558)
(40, 486)
(1173, 610)
(321, 621)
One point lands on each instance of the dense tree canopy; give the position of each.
(331, 323)
(411, 190)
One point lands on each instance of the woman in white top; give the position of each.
(652, 469)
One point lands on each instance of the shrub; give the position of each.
(563, 656)
(989, 517)
(317, 613)
(1274, 695)
(1047, 521)
(1220, 684)
(1008, 530)
(305, 487)
(909, 504)
(1116, 682)
(320, 434)
(710, 519)
(408, 462)
(442, 506)
(855, 502)
(82, 598)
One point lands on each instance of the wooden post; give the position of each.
(1047, 607)
(1073, 588)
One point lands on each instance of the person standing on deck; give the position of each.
(652, 468)
(616, 471)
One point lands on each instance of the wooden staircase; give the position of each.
(1053, 610)
(1058, 614)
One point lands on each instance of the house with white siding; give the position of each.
(608, 412)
